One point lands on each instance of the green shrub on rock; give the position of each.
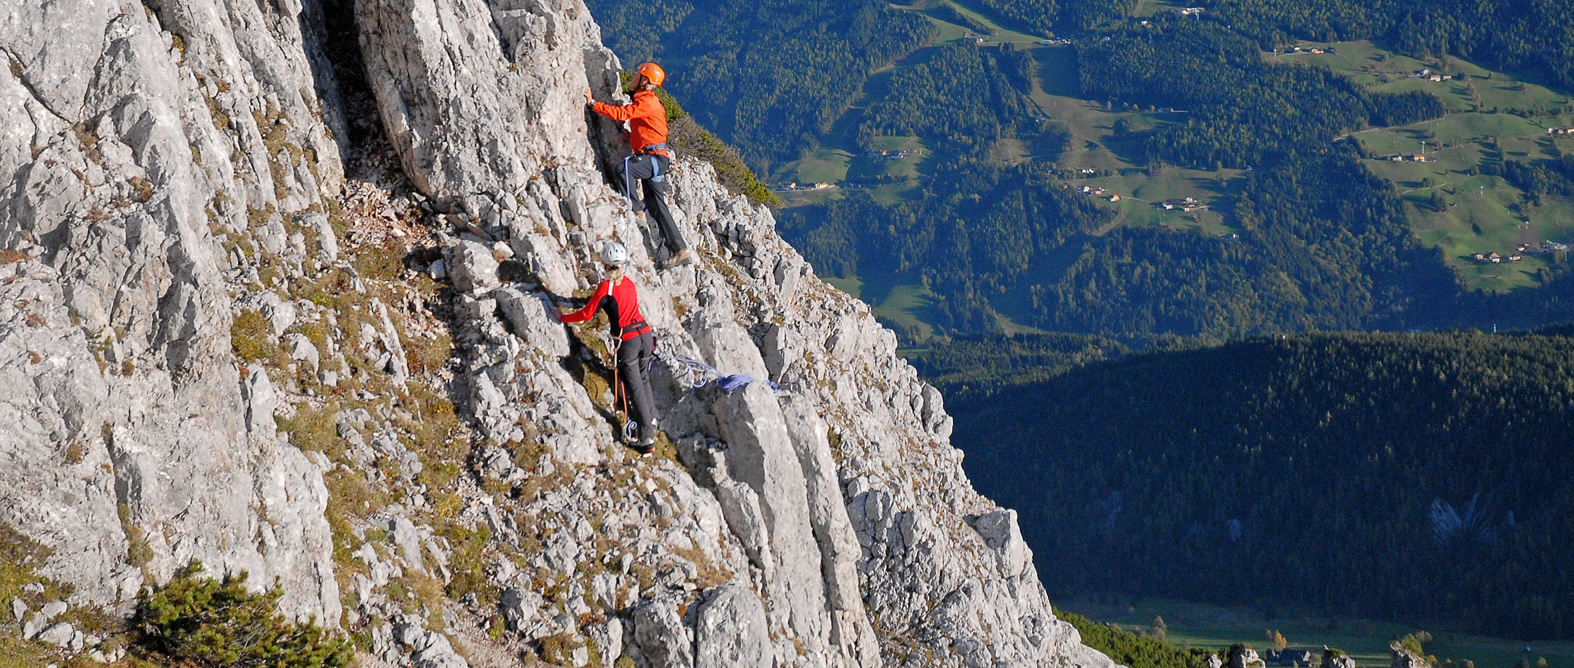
(213, 623)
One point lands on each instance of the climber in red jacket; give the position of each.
(636, 341)
(647, 124)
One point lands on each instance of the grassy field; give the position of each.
(1493, 116)
(1215, 627)
(901, 302)
(998, 34)
(827, 164)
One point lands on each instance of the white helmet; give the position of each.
(613, 253)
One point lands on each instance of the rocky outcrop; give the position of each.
(1401, 657)
(1333, 658)
(139, 137)
(175, 285)
(1245, 657)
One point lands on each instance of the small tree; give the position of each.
(1160, 631)
(206, 622)
(1276, 639)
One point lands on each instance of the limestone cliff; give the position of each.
(222, 340)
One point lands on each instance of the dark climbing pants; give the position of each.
(634, 357)
(648, 173)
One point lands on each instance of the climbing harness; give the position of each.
(655, 168)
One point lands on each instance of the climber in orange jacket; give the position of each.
(636, 340)
(647, 123)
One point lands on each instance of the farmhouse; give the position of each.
(1188, 204)
(889, 155)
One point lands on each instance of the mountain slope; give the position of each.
(223, 343)
(1417, 476)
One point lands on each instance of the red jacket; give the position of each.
(623, 309)
(646, 118)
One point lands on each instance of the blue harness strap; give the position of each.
(628, 179)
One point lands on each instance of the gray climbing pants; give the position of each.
(634, 358)
(648, 173)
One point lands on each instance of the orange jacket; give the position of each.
(647, 120)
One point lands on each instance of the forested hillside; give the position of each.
(1321, 242)
(1420, 477)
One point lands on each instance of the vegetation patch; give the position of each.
(138, 551)
(251, 336)
(383, 262)
(207, 622)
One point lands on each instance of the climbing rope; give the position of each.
(699, 374)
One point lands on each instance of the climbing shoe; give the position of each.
(644, 447)
(680, 258)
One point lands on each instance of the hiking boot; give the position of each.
(681, 257)
(644, 447)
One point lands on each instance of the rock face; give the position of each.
(131, 447)
(162, 199)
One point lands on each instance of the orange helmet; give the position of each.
(653, 73)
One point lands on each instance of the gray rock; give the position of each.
(472, 266)
(280, 315)
(731, 630)
(408, 539)
(302, 349)
(327, 241)
(532, 319)
(661, 636)
(52, 609)
(1000, 532)
(520, 607)
(58, 635)
(760, 454)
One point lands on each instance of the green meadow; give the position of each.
(1212, 627)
